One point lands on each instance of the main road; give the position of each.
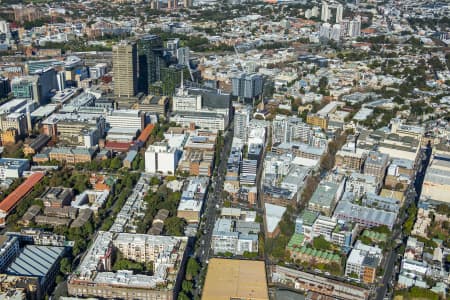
(413, 194)
(214, 200)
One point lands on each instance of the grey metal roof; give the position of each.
(35, 261)
(357, 212)
(324, 194)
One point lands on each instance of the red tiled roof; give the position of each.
(118, 146)
(369, 30)
(145, 134)
(12, 199)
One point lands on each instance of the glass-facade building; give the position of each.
(150, 56)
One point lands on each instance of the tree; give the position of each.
(323, 83)
(171, 178)
(65, 266)
(398, 186)
(125, 264)
(250, 255)
(399, 100)
(366, 240)
(259, 219)
(116, 163)
(154, 180)
(174, 226)
(436, 63)
(381, 229)
(192, 268)
(327, 162)
(142, 164)
(187, 286)
(443, 209)
(422, 293)
(321, 244)
(182, 296)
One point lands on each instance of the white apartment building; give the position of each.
(205, 120)
(241, 121)
(126, 118)
(143, 247)
(355, 263)
(160, 158)
(186, 102)
(324, 226)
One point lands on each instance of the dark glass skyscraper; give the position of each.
(151, 52)
(5, 87)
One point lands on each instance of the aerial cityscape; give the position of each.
(225, 149)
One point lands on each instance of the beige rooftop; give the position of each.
(235, 279)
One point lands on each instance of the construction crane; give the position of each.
(190, 72)
(238, 58)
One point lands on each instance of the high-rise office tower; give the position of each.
(187, 3)
(325, 15)
(355, 27)
(315, 11)
(345, 25)
(154, 4)
(335, 32)
(247, 86)
(171, 78)
(125, 69)
(290, 129)
(5, 87)
(61, 79)
(48, 84)
(308, 14)
(241, 121)
(325, 31)
(339, 13)
(4, 27)
(150, 49)
(26, 87)
(172, 4)
(173, 45)
(183, 56)
(39, 87)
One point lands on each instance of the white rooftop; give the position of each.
(274, 213)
